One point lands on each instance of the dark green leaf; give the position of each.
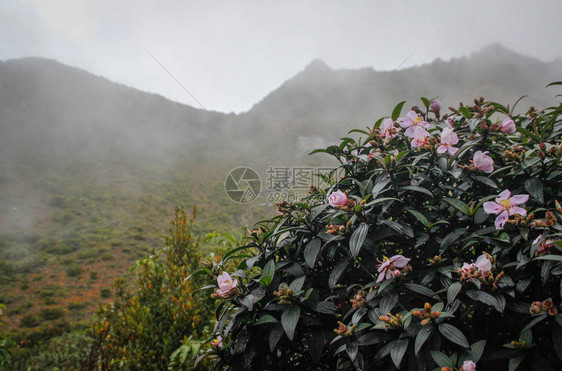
(421, 290)
(426, 102)
(485, 298)
(534, 187)
(453, 291)
(540, 317)
(465, 112)
(421, 337)
(442, 360)
(289, 320)
(418, 189)
(266, 318)
(352, 348)
(420, 217)
(297, 283)
(379, 186)
(372, 338)
(336, 273)
(457, 204)
(357, 239)
(485, 180)
(396, 111)
(514, 363)
(311, 252)
(550, 257)
(476, 351)
(388, 302)
(398, 350)
(275, 336)
(554, 83)
(453, 334)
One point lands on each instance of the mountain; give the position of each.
(90, 170)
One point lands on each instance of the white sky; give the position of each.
(229, 54)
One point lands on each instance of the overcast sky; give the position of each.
(230, 54)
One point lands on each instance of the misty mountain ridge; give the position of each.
(47, 106)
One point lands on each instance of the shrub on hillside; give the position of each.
(439, 247)
(144, 327)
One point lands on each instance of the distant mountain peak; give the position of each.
(317, 65)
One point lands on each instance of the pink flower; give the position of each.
(419, 137)
(468, 365)
(388, 130)
(389, 267)
(450, 122)
(435, 106)
(217, 342)
(413, 121)
(337, 199)
(483, 162)
(448, 139)
(508, 126)
(225, 284)
(506, 206)
(543, 247)
(483, 264)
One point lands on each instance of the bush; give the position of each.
(50, 314)
(144, 328)
(29, 320)
(439, 247)
(5, 355)
(105, 293)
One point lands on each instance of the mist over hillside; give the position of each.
(90, 170)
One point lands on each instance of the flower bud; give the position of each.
(424, 322)
(547, 303)
(553, 311)
(427, 307)
(435, 106)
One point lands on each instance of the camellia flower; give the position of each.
(388, 130)
(225, 284)
(506, 206)
(468, 365)
(411, 122)
(508, 126)
(391, 267)
(337, 199)
(483, 162)
(448, 139)
(435, 106)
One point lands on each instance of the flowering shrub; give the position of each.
(439, 247)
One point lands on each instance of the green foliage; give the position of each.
(5, 355)
(65, 352)
(146, 326)
(404, 266)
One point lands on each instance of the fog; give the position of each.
(232, 54)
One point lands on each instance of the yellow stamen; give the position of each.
(505, 203)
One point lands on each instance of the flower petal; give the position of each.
(517, 210)
(492, 208)
(503, 196)
(501, 219)
(442, 149)
(453, 150)
(519, 199)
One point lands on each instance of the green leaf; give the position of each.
(266, 318)
(550, 257)
(534, 187)
(465, 112)
(453, 291)
(554, 83)
(396, 111)
(453, 334)
(514, 363)
(357, 239)
(420, 217)
(486, 180)
(297, 283)
(476, 351)
(529, 134)
(485, 298)
(268, 273)
(418, 189)
(289, 320)
(388, 302)
(336, 273)
(457, 204)
(421, 337)
(442, 360)
(426, 102)
(421, 290)
(397, 351)
(311, 251)
(351, 348)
